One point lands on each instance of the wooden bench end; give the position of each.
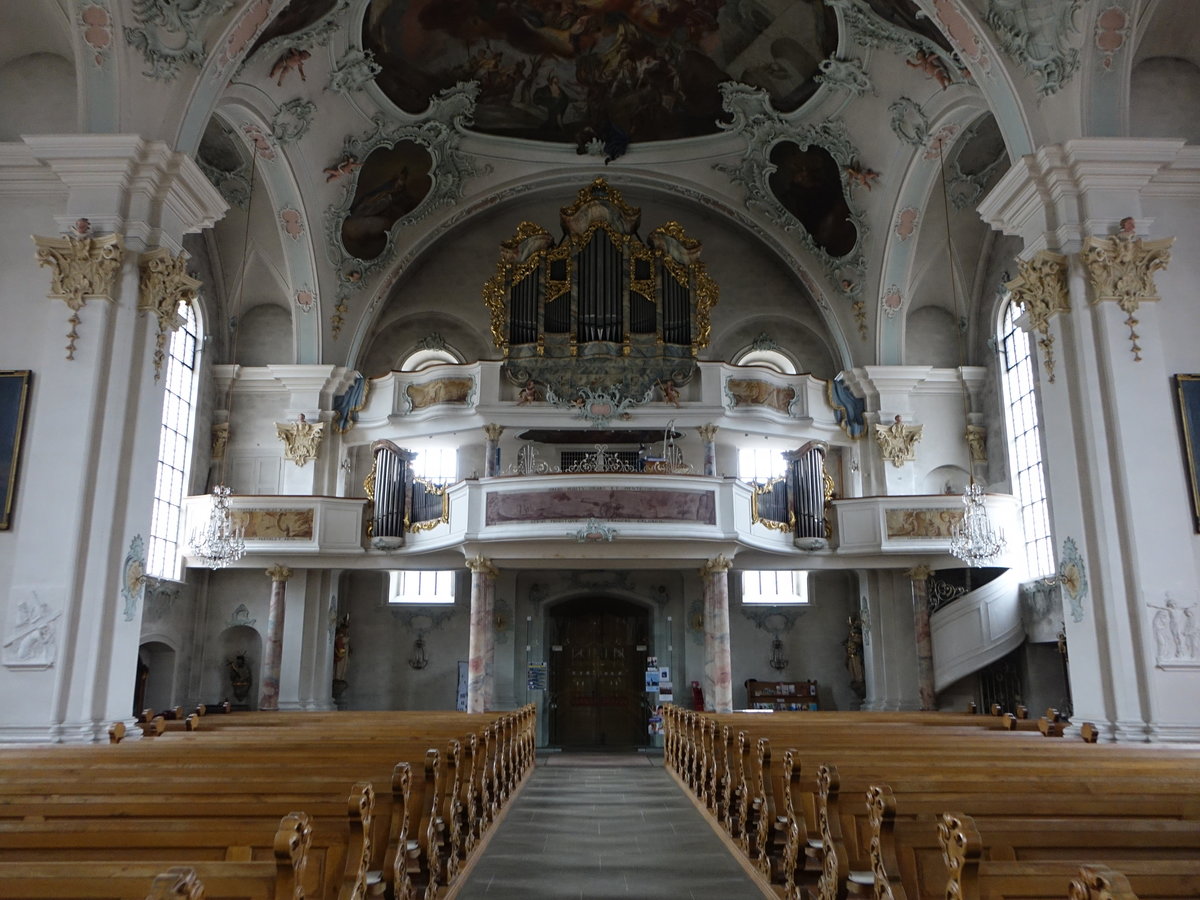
(1089, 732)
(116, 732)
(175, 883)
(1097, 882)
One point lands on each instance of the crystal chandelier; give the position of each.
(974, 539)
(222, 540)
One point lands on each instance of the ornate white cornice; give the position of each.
(163, 283)
(898, 442)
(1122, 269)
(1041, 289)
(301, 439)
(82, 269)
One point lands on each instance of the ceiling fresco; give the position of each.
(568, 70)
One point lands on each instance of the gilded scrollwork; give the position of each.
(163, 284)
(301, 439)
(1122, 269)
(82, 268)
(1041, 289)
(898, 442)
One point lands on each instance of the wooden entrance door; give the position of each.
(597, 674)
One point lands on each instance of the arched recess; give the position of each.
(156, 675)
(401, 335)
(223, 668)
(274, 181)
(920, 189)
(807, 350)
(562, 184)
(596, 693)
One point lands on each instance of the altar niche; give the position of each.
(598, 656)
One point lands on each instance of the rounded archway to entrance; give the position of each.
(597, 674)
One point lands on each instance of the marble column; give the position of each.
(718, 669)
(269, 697)
(708, 434)
(482, 639)
(491, 455)
(920, 593)
(489, 647)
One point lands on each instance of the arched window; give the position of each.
(174, 447)
(771, 359)
(1025, 444)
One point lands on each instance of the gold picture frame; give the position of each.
(14, 398)
(1187, 391)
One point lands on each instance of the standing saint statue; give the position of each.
(854, 657)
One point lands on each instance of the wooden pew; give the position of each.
(972, 877)
(280, 878)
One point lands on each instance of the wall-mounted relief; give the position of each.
(419, 169)
(168, 34)
(754, 392)
(457, 390)
(1072, 575)
(133, 576)
(922, 523)
(1176, 634)
(240, 617)
(1040, 36)
(796, 173)
(275, 524)
(31, 639)
(161, 597)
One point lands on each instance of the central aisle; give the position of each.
(598, 826)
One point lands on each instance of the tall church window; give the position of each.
(174, 447)
(1025, 444)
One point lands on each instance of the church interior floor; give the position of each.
(584, 827)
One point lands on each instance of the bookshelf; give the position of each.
(781, 696)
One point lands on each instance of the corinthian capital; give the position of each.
(82, 268)
(163, 283)
(300, 439)
(1122, 269)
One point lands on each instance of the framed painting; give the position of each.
(14, 395)
(13, 399)
(1187, 389)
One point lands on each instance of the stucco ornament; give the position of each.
(1040, 36)
(31, 641)
(301, 439)
(898, 442)
(292, 120)
(440, 130)
(909, 122)
(164, 284)
(1041, 289)
(864, 28)
(594, 531)
(317, 34)
(82, 268)
(1072, 575)
(1176, 634)
(354, 71)
(762, 127)
(1122, 268)
(845, 75)
(168, 33)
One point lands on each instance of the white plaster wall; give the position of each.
(1161, 90)
(37, 96)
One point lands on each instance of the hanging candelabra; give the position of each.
(974, 539)
(778, 661)
(221, 540)
(418, 660)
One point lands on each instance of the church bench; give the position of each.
(279, 878)
(971, 877)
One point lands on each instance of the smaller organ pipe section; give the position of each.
(806, 484)
(393, 481)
